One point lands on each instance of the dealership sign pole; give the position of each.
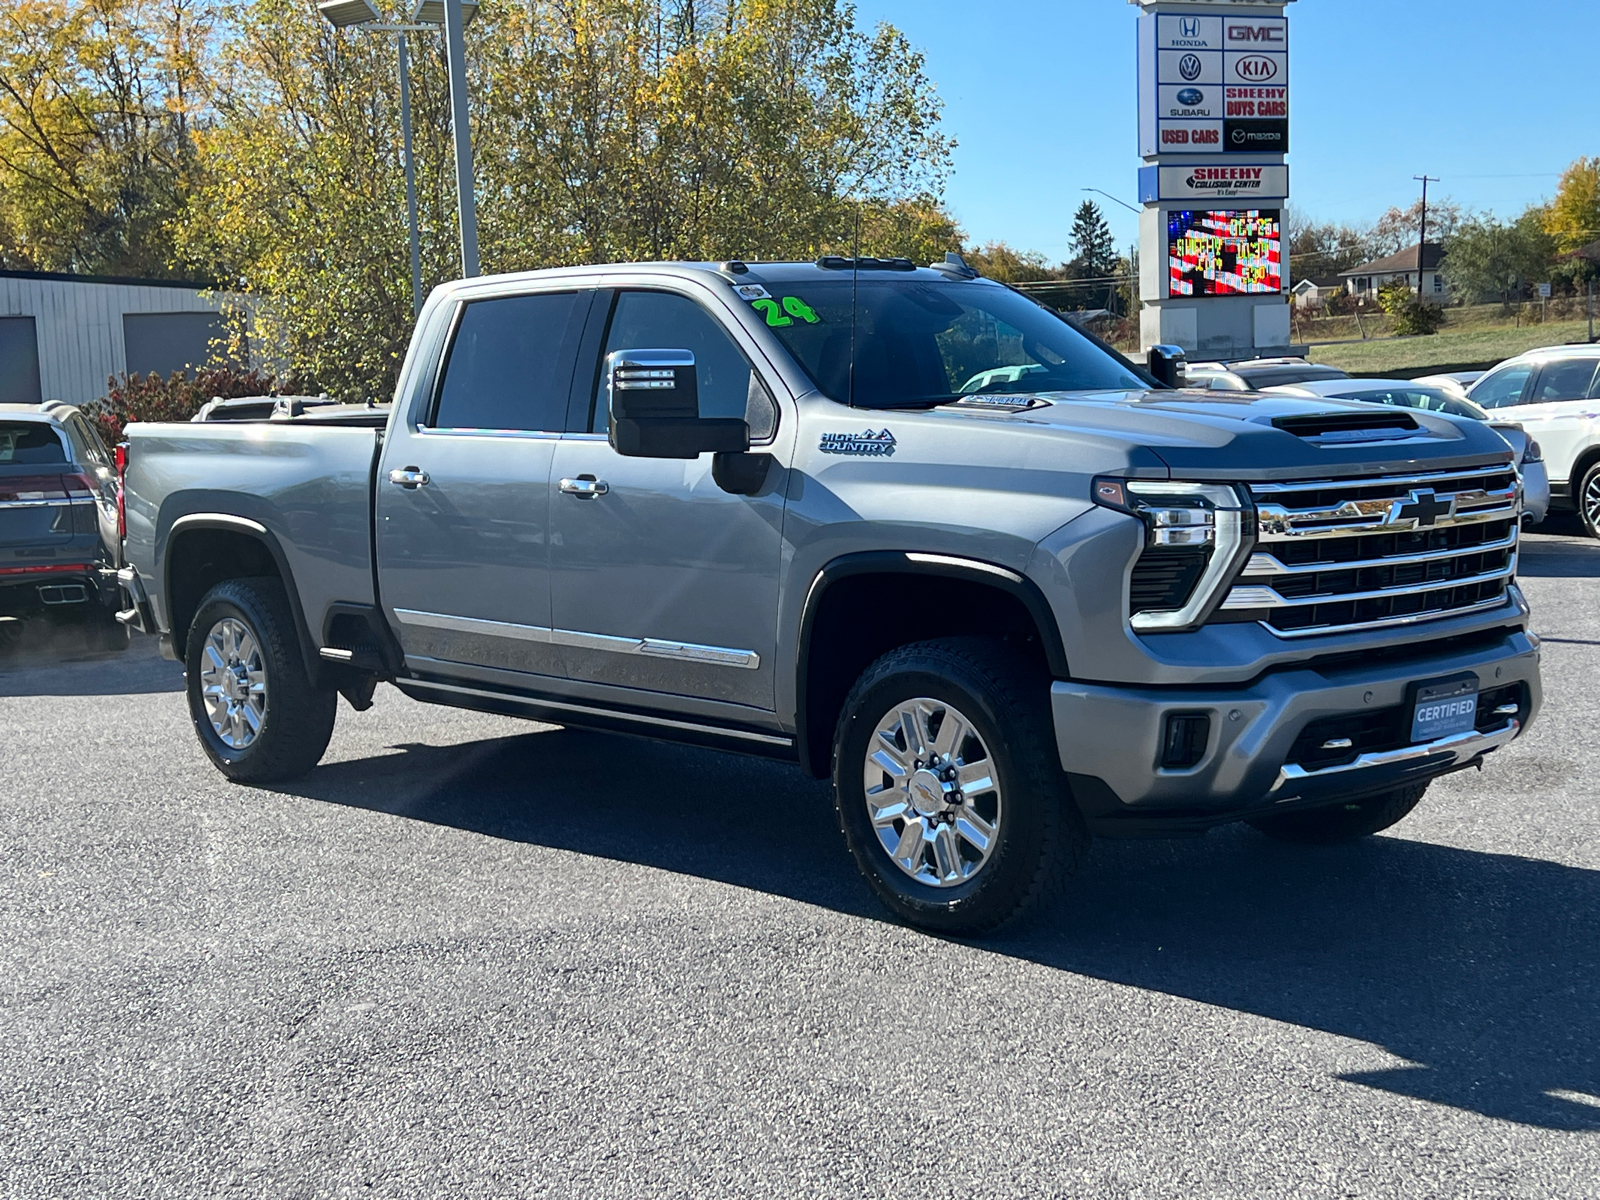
(1213, 133)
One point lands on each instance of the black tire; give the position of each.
(297, 719)
(1587, 498)
(1039, 837)
(1343, 822)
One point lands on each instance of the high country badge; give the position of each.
(877, 445)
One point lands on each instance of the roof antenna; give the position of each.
(855, 276)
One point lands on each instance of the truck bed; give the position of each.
(308, 484)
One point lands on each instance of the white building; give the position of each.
(1370, 278)
(62, 336)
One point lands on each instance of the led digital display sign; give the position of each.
(1225, 252)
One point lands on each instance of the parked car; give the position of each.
(750, 507)
(1254, 374)
(1455, 382)
(1407, 393)
(58, 524)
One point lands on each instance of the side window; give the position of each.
(1501, 389)
(666, 321)
(91, 440)
(1564, 379)
(510, 364)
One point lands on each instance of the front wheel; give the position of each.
(259, 718)
(949, 787)
(1588, 497)
(1343, 822)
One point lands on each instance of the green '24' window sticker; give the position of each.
(793, 307)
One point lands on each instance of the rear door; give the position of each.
(1560, 411)
(463, 499)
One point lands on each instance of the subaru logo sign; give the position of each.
(1189, 66)
(1189, 97)
(1189, 27)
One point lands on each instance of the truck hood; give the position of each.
(1249, 435)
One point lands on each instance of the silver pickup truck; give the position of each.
(901, 526)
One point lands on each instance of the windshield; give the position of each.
(919, 343)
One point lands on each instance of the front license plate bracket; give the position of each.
(1443, 707)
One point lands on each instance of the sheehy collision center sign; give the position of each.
(1224, 181)
(1213, 84)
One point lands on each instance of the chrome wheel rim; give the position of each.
(1591, 501)
(233, 683)
(932, 794)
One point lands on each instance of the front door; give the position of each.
(463, 500)
(662, 582)
(1559, 410)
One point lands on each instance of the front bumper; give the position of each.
(1110, 739)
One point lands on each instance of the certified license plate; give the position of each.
(1445, 707)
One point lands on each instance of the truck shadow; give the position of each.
(1482, 971)
(1548, 558)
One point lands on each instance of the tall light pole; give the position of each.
(427, 17)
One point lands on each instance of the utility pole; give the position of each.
(411, 177)
(1422, 241)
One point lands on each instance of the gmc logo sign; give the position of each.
(1255, 33)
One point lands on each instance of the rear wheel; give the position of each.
(1588, 498)
(1343, 822)
(949, 787)
(259, 718)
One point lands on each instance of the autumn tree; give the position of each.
(1573, 217)
(97, 102)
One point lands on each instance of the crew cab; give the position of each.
(900, 526)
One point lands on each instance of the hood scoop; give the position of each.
(1339, 428)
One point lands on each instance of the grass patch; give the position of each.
(1461, 350)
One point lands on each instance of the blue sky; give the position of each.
(1494, 98)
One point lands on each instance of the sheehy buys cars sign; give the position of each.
(1213, 84)
(1225, 181)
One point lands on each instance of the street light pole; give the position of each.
(466, 203)
(411, 176)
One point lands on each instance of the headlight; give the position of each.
(1532, 453)
(1197, 536)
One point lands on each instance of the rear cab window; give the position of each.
(509, 363)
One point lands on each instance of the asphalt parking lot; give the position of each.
(470, 956)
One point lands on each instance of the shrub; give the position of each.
(178, 397)
(1412, 316)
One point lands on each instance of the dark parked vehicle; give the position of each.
(58, 524)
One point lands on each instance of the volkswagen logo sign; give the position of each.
(1189, 27)
(1189, 66)
(1189, 97)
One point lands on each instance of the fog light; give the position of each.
(1187, 735)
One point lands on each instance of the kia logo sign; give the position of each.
(1189, 67)
(1189, 97)
(1189, 27)
(1257, 68)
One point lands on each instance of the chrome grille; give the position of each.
(1338, 555)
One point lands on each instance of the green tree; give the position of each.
(1093, 247)
(1487, 257)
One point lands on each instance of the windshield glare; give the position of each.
(919, 343)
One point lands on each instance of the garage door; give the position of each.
(168, 342)
(19, 361)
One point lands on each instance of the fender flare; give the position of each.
(915, 562)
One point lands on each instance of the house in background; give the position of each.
(1372, 277)
(1312, 292)
(62, 336)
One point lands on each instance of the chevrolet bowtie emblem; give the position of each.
(1422, 509)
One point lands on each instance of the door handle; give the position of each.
(585, 487)
(409, 478)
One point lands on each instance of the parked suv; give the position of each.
(58, 523)
(1254, 374)
(1554, 393)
